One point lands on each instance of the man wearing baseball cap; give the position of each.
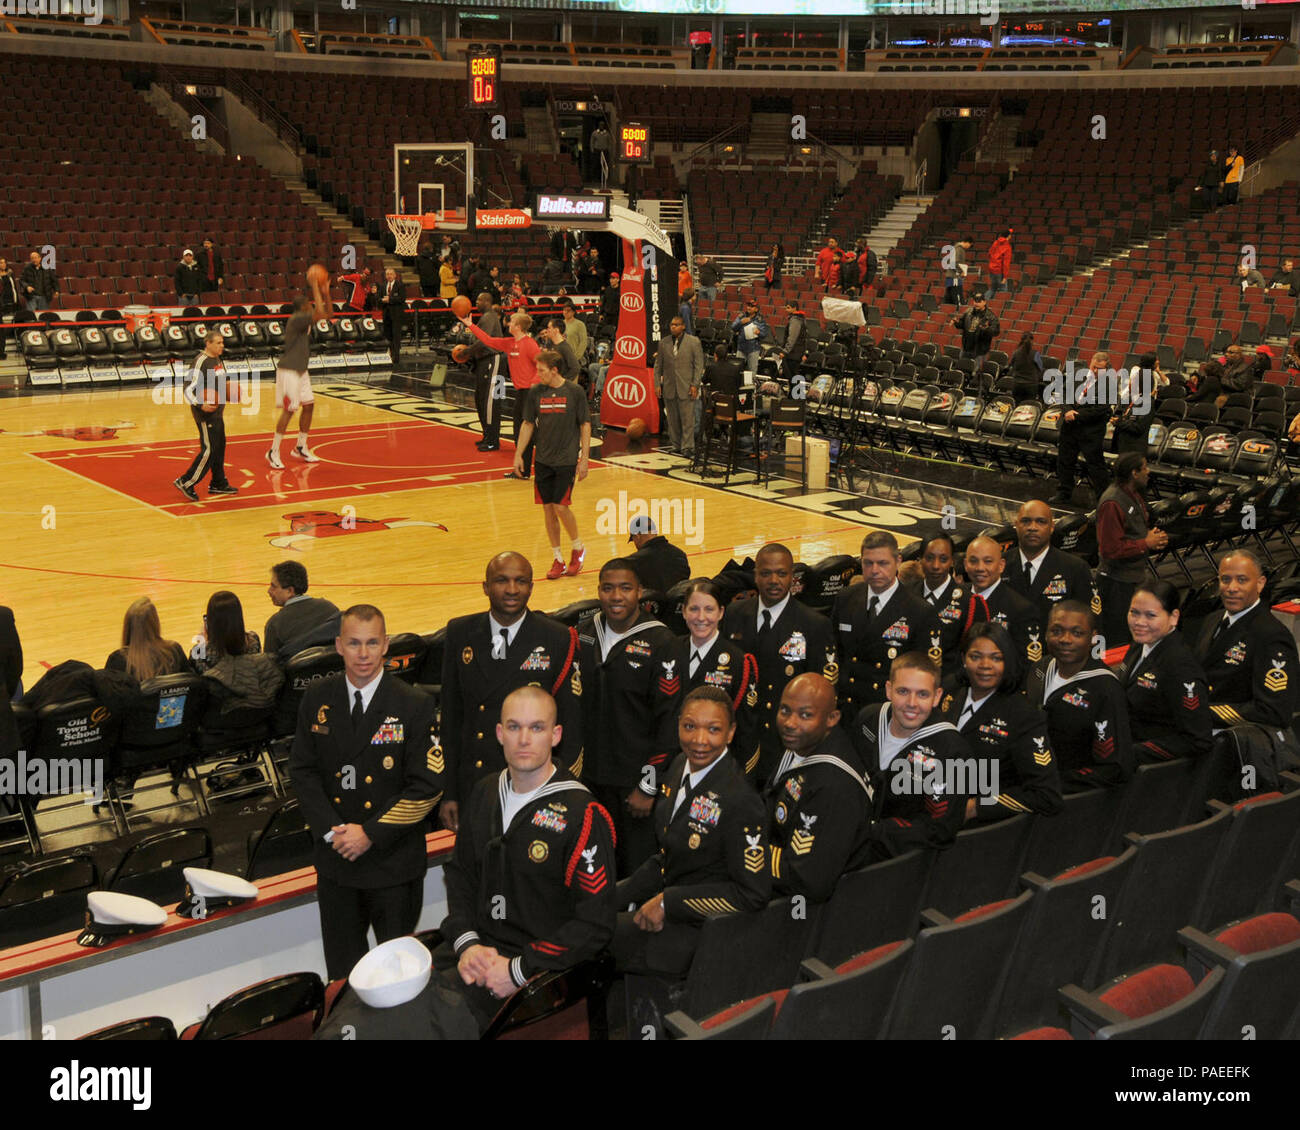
(658, 562)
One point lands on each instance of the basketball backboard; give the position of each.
(434, 177)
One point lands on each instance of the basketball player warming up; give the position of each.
(292, 380)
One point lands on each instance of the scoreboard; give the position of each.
(484, 76)
(634, 144)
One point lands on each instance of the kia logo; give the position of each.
(626, 392)
(629, 348)
(632, 303)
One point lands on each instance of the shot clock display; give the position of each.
(484, 78)
(634, 143)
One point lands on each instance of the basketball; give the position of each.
(460, 354)
(635, 428)
(461, 306)
(318, 274)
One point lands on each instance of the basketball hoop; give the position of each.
(408, 229)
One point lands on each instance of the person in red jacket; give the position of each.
(999, 262)
(521, 355)
(828, 260)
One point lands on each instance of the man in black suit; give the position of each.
(956, 607)
(392, 301)
(659, 563)
(367, 770)
(1083, 432)
(786, 637)
(1043, 574)
(877, 621)
(984, 569)
(486, 655)
(1251, 668)
(300, 621)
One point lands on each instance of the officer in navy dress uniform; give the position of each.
(1041, 573)
(1168, 702)
(632, 683)
(1085, 704)
(486, 656)
(1002, 727)
(710, 825)
(1249, 659)
(984, 569)
(955, 604)
(877, 621)
(706, 658)
(819, 805)
(786, 638)
(367, 770)
(530, 886)
(914, 762)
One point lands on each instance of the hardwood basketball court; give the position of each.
(402, 512)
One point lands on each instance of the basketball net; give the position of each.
(406, 232)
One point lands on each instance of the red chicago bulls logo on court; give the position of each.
(308, 524)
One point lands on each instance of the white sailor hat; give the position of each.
(110, 916)
(392, 973)
(206, 891)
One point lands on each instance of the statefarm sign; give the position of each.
(502, 218)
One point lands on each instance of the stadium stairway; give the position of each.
(331, 215)
(886, 233)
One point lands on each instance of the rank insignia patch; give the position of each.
(801, 842)
(434, 760)
(1095, 604)
(1191, 700)
(1276, 679)
(755, 857)
(1042, 755)
(593, 879)
(538, 851)
(1035, 649)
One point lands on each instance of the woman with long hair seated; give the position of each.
(233, 659)
(144, 654)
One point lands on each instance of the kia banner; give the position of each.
(629, 385)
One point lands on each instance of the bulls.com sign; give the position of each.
(571, 207)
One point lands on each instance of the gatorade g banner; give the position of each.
(629, 384)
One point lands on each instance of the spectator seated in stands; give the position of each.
(1238, 370)
(301, 621)
(1206, 383)
(144, 654)
(232, 657)
(1286, 276)
(1249, 276)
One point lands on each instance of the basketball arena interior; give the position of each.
(944, 270)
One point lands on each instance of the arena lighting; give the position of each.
(964, 112)
(191, 90)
